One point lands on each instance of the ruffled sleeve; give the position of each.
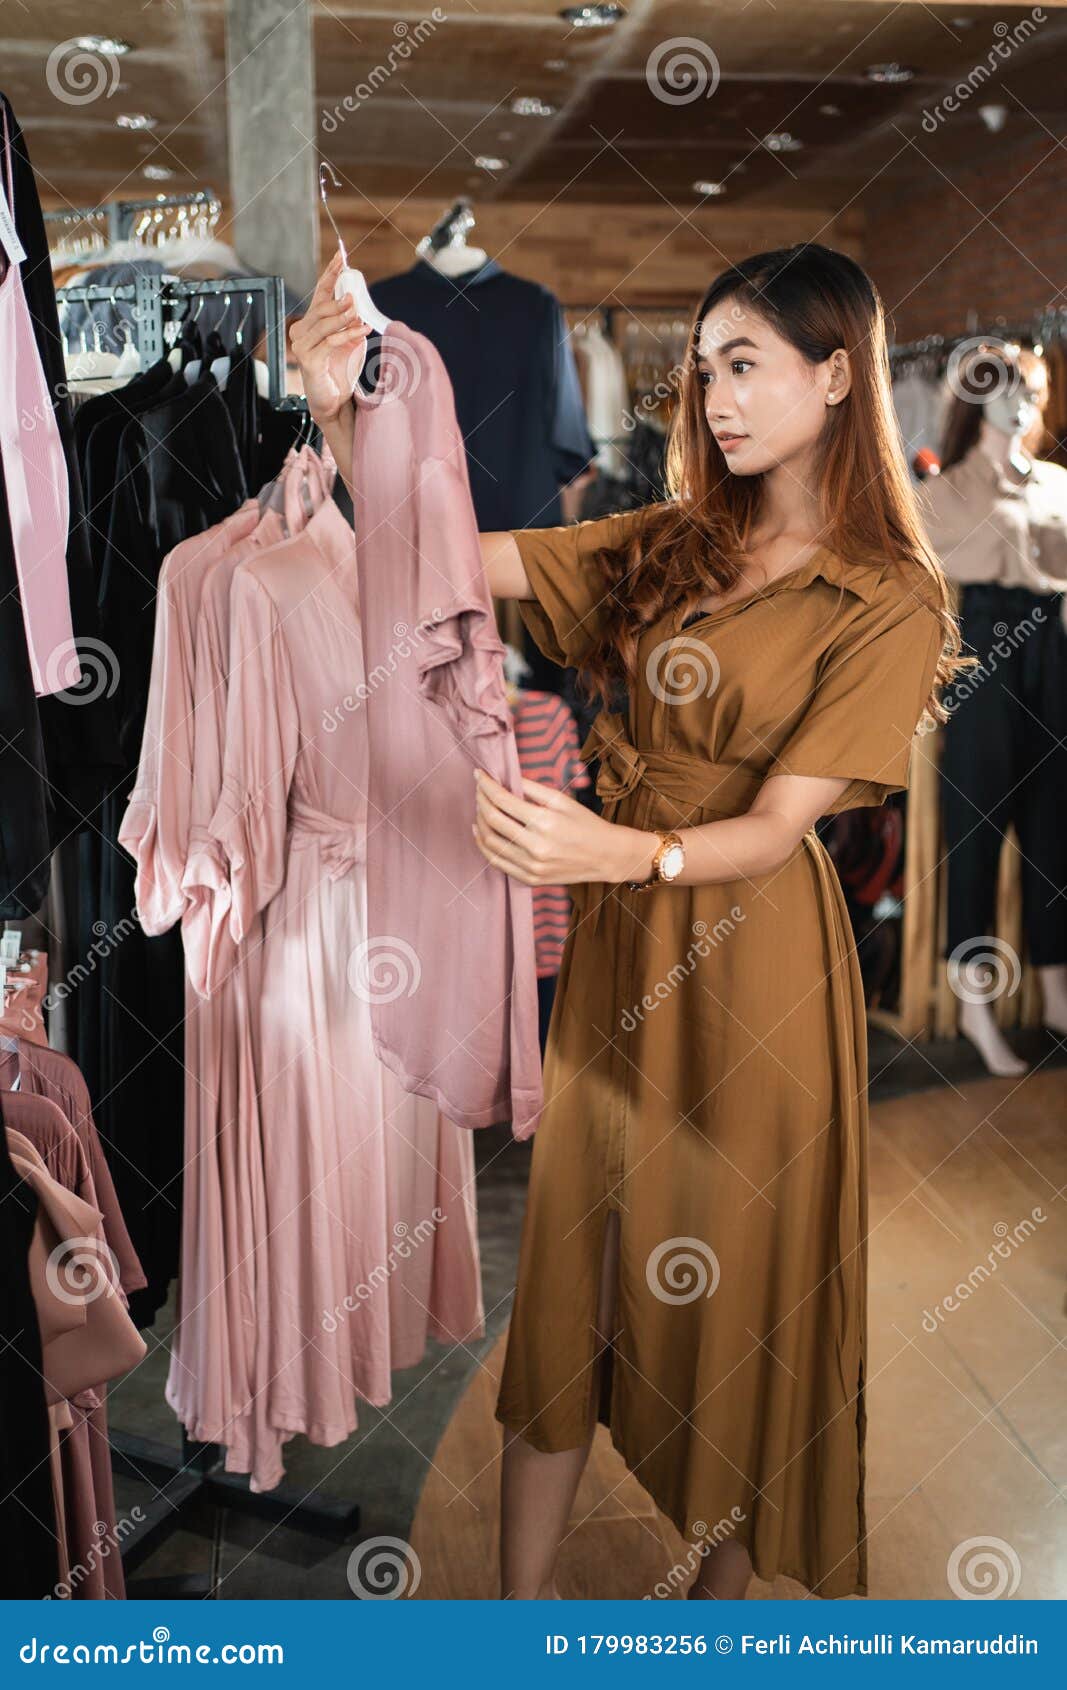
(250, 825)
(565, 616)
(154, 827)
(869, 698)
(459, 649)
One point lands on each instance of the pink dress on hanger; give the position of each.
(34, 469)
(211, 1383)
(371, 1241)
(450, 953)
(208, 1376)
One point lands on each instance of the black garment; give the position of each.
(518, 401)
(162, 465)
(1005, 761)
(27, 1511)
(57, 754)
(642, 483)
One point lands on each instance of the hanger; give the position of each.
(350, 281)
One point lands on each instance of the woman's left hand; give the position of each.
(545, 838)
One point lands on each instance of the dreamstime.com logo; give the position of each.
(382, 970)
(79, 1270)
(79, 75)
(680, 669)
(682, 70)
(1009, 1239)
(682, 1269)
(983, 1569)
(983, 968)
(707, 1540)
(383, 1569)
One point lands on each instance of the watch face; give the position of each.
(670, 864)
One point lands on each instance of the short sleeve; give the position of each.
(869, 699)
(566, 614)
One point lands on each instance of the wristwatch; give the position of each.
(667, 864)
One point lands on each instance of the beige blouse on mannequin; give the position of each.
(987, 523)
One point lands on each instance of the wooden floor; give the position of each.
(967, 1409)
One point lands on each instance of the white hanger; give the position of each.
(351, 281)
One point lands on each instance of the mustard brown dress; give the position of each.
(706, 1069)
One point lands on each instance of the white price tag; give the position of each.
(9, 237)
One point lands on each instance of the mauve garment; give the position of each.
(371, 1241)
(85, 1503)
(176, 791)
(213, 1384)
(450, 955)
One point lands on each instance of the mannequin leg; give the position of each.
(537, 1490)
(982, 760)
(1040, 821)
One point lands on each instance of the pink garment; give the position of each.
(35, 475)
(82, 1344)
(371, 1240)
(43, 1072)
(218, 1362)
(155, 826)
(455, 1025)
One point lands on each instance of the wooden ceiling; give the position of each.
(794, 65)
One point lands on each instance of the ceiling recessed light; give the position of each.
(136, 120)
(709, 190)
(891, 72)
(530, 105)
(829, 111)
(485, 162)
(109, 44)
(593, 16)
(780, 141)
(555, 64)
(157, 172)
(961, 23)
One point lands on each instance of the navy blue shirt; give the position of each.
(504, 344)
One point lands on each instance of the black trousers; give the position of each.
(1005, 761)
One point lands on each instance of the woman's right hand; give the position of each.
(330, 345)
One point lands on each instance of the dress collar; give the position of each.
(859, 578)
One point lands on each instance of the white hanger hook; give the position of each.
(336, 180)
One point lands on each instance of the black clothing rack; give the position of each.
(150, 294)
(1047, 325)
(195, 1474)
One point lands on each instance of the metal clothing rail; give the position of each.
(120, 214)
(151, 294)
(1044, 326)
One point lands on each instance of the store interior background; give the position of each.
(620, 200)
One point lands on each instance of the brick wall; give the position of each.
(935, 259)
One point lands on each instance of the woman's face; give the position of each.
(764, 403)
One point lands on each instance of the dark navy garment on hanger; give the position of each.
(518, 401)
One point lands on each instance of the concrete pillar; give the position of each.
(270, 80)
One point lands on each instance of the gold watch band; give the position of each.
(666, 840)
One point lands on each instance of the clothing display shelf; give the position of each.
(152, 294)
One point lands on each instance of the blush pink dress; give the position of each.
(368, 1241)
(450, 955)
(211, 1382)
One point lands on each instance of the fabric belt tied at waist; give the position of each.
(342, 844)
(691, 783)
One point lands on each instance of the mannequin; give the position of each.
(997, 516)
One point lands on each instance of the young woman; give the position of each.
(694, 1252)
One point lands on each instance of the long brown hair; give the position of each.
(693, 542)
